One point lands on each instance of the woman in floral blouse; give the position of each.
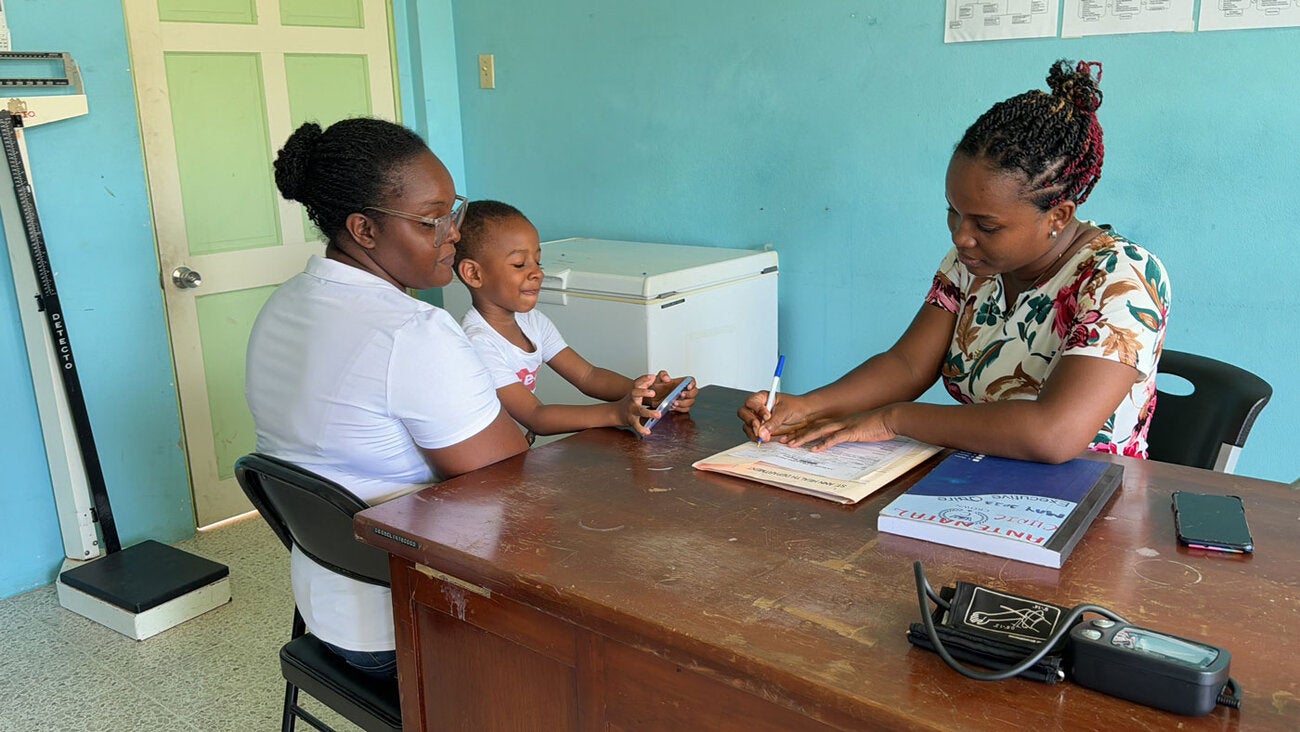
(1044, 327)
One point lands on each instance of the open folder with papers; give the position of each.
(845, 473)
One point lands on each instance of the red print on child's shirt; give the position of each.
(528, 379)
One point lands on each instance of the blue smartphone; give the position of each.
(667, 402)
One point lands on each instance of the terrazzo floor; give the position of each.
(219, 671)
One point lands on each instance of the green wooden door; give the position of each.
(220, 85)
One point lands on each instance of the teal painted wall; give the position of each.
(89, 179)
(430, 92)
(824, 129)
(426, 59)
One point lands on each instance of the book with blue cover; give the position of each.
(1031, 512)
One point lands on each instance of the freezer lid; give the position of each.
(643, 270)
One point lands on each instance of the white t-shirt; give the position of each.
(507, 362)
(348, 377)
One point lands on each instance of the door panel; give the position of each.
(324, 13)
(225, 320)
(227, 188)
(325, 88)
(207, 11)
(220, 85)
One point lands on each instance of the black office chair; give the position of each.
(1207, 428)
(315, 514)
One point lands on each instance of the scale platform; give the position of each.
(143, 589)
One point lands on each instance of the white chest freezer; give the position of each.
(637, 308)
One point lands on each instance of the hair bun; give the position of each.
(293, 159)
(1075, 84)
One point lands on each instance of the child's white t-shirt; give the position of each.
(507, 363)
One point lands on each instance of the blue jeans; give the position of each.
(379, 664)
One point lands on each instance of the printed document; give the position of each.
(845, 473)
(1238, 14)
(993, 20)
(1107, 17)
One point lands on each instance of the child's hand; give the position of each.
(632, 407)
(665, 384)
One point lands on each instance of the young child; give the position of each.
(498, 258)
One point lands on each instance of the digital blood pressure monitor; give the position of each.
(1147, 667)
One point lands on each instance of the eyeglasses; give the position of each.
(441, 226)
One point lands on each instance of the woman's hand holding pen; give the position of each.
(789, 413)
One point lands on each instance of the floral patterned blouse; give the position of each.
(1110, 300)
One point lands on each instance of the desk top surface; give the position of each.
(805, 594)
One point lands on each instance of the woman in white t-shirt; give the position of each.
(352, 378)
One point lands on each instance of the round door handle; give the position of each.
(186, 278)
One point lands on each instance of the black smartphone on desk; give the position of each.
(1212, 522)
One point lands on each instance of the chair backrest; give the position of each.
(1207, 428)
(313, 513)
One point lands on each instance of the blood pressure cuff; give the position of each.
(995, 630)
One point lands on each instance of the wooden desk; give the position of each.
(599, 582)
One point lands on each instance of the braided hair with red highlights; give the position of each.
(1053, 139)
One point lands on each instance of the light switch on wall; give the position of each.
(487, 71)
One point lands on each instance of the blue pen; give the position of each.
(776, 384)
